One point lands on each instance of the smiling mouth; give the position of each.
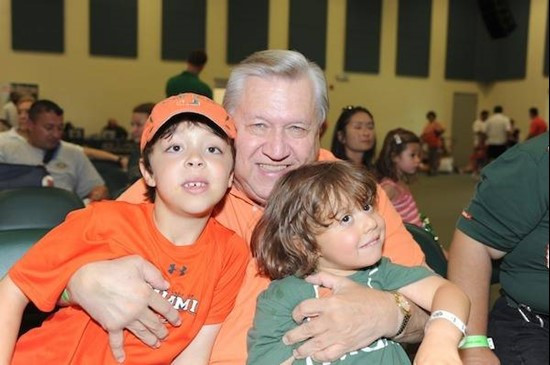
(272, 168)
(370, 243)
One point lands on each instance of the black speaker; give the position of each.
(498, 17)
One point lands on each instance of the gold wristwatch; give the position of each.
(405, 308)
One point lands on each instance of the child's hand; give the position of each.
(437, 351)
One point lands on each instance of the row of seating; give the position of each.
(26, 215)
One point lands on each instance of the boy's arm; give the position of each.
(198, 351)
(441, 338)
(11, 310)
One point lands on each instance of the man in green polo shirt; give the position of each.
(188, 81)
(508, 219)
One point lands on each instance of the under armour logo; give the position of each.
(172, 268)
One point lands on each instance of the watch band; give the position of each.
(404, 306)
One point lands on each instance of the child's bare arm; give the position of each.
(11, 310)
(198, 351)
(441, 338)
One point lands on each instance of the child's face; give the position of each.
(353, 241)
(409, 159)
(191, 170)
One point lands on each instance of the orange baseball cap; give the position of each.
(164, 110)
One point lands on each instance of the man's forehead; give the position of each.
(49, 118)
(277, 100)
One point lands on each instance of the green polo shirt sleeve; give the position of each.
(509, 212)
(511, 198)
(273, 319)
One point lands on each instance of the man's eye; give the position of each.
(258, 128)
(298, 131)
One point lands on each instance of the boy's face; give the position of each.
(191, 170)
(353, 241)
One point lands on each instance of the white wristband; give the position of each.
(449, 317)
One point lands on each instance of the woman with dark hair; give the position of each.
(354, 136)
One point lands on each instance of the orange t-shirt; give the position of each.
(240, 214)
(204, 280)
(431, 135)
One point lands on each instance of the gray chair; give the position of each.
(26, 215)
(435, 257)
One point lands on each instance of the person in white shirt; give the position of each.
(497, 130)
(41, 144)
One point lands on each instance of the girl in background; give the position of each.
(399, 159)
(354, 136)
(323, 217)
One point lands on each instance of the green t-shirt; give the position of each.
(273, 317)
(509, 212)
(187, 82)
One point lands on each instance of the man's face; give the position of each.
(45, 132)
(137, 122)
(277, 131)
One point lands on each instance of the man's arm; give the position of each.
(352, 318)
(119, 294)
(11, 310)
(470, 268)
(98, 193)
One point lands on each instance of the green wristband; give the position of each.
(471, 342)
(65, 297)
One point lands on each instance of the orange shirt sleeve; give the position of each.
(399, 246)
(44, 271)
(135, 193)
(229, 284)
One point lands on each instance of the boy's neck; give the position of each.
(337, 272)
(178, 229)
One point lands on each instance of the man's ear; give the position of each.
(147, 175)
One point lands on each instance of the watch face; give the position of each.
(403, 303)
(406, 305)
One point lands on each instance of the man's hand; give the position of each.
(351, 319)
(118, 294)
(478, 356)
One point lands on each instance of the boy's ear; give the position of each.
(147, 176)
(230, 181)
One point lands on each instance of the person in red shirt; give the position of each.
(431, 136)
(187, 164)
(538, 125)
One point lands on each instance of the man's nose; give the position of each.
(276, 145)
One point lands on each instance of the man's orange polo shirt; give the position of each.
(240, 214)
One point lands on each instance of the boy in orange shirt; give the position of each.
(187, 162)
